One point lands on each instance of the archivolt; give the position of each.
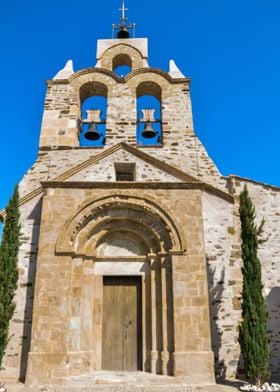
(141, 215)
(135, 79)
(91, 75)
(134, 54)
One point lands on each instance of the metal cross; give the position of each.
(123, 9)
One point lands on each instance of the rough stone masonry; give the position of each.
(174, 227)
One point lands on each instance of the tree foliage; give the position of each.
(253, 336)
(8, 268)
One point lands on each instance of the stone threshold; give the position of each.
(104, 381)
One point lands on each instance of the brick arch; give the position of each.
(149, 88)
(76, 234)
(121, 59)
(149, 77)
(107, 58)
(92, 75)
(92, 81)
(144, 235)
(90, 89)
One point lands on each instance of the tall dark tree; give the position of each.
(253, 336)
(8, 268)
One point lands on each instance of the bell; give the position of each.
(92, 132)
(148, 132)
(123, 33)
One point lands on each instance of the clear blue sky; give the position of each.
(229, 48)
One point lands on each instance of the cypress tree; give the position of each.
(8, 268)
(253, 336)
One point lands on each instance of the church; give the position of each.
(130, 256)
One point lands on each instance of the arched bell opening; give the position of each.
(122, 65)
(149, 116)
(93, 96)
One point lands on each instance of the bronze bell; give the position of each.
(123, 33)
(148, 132)
(92, 132)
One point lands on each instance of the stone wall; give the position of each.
(61, 159)
(104, 170)
(189, 156)
(66, 343)
(222, 244)
(267, 202)
(15, 360)
(221, 233)
(222, 241)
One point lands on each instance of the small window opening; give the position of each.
(125, 171)
(122, 65)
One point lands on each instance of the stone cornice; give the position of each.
(50, 82)
(118, 79)
(120, 185)
(138, 185)
(263, 184)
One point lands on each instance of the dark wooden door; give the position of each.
(121, 324)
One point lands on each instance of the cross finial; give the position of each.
(123, 26)
(123, 9)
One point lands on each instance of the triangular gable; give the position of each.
(168, 170)
(104, 170)
(150, 168)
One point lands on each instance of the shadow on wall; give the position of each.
(273, 307)
(28, 311)
(216, 288)
(273, 327)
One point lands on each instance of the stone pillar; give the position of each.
(147, 319)
(164, 353)
(61, 115)
(97, 321)
(193, 358)
(154, 352)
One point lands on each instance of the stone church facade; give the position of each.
(130, 252)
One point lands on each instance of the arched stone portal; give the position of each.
(119, 288)
(120, 237)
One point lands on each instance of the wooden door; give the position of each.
(122, 324)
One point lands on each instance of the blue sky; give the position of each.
(229, 48)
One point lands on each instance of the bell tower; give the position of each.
(130, 254)
(124, 117)
(113, 205)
